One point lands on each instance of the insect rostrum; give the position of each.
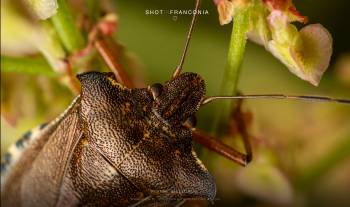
(115, 146)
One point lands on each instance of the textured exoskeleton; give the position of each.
(113, 146)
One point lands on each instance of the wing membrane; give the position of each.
(35, 180)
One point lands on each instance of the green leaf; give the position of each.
(27, 65)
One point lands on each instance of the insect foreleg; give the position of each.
(221, 148)
(110, 57)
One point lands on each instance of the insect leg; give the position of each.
(221, 148)
(74, 84)
(108, 51)
(141, 202)
(238, 117)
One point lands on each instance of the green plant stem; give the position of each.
(310, 176)
(93, 9)
(66, 28)
(27, 65)
(51, 47)
(234, 61)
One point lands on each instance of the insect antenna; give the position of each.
(189, 34)
(209, 99)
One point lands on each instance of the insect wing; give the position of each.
(36, 178)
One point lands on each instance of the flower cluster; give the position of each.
(305, 52)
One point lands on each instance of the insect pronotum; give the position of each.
(121, 146)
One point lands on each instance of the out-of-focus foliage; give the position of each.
(342, 69)
(42, 9)
(13, 41)
(301, 153)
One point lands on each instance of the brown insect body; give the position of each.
(115, 146)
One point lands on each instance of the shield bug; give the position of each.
(120, 146)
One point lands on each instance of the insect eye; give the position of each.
(156, 90)
(191, 122)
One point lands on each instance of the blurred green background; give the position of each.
(301, 149)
